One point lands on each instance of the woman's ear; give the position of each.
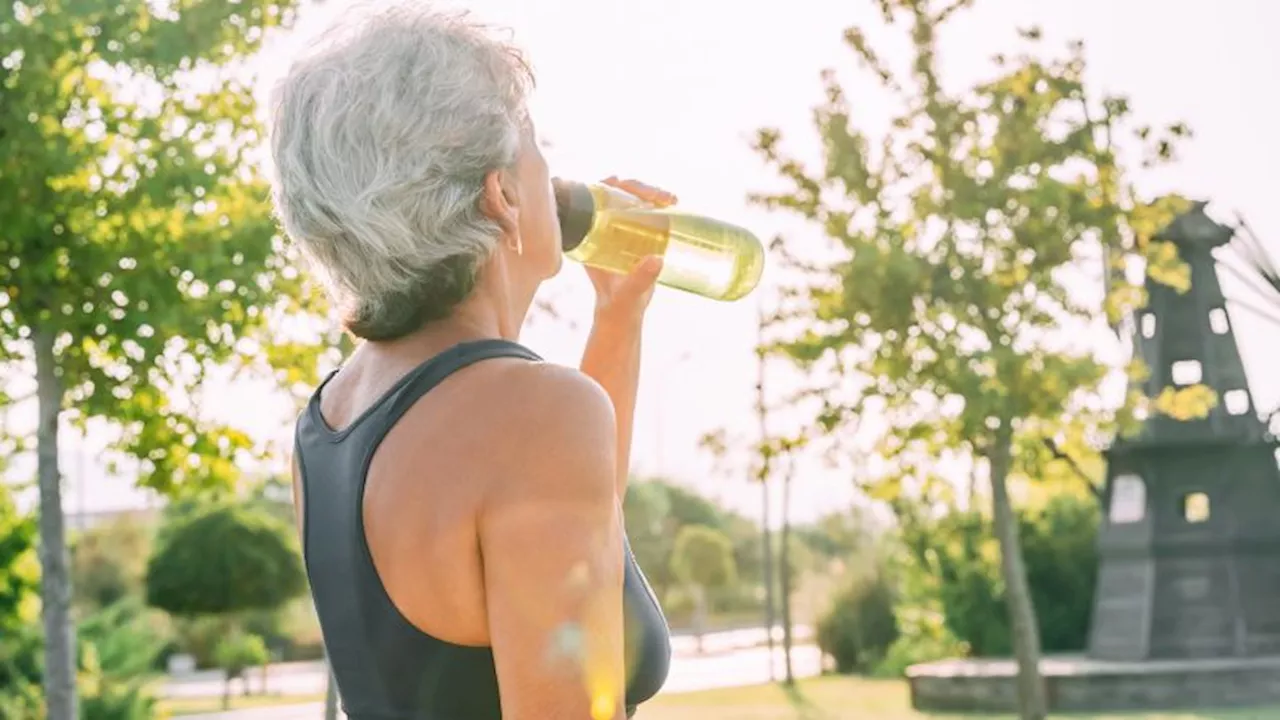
(499, 202)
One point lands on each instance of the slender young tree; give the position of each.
(968, 241)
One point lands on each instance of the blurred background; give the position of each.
(814, 465)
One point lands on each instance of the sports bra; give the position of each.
(386, 668)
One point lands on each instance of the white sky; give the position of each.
(670, 91)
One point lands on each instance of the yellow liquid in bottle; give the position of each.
(700, 255)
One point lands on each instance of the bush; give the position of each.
(224, 559)
(117, 650)
(107, 563)
(20, 673)
(925, 637)
(859, 627)
(955, 561)
(1059, 546)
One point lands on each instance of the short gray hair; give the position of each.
(382, 134)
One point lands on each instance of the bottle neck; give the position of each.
(576, 210)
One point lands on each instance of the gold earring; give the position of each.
(517, 245)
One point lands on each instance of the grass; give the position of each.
(828, 698)
(836, 698)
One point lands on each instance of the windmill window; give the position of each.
(1218, 321)
(1186, 372)
(1195, 507)
(1148, 325)
(1128, 500)
(1236, 401)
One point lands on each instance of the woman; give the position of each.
(459, 500)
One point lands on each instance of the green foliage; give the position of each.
(963, 238)
(139, 246)
(19, 568)
(225, 559)
(647, 515)
(20, 672)
(655, 511)
(240, 651)
(923, 636)
(703, 557)
(1061, 550)
(20, 694)
(955, 557)
(108, 563)
(859, 627)
(137, 234)
(127, 638)
(836, 536)
(119, 647)
(964, 241)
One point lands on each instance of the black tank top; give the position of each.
(387, 669)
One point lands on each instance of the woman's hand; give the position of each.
(624, 298)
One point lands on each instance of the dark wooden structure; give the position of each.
(1190, 539)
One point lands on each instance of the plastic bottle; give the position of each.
(608, 228)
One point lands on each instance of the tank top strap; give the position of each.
(431, 373)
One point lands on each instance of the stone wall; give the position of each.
(1102, 687)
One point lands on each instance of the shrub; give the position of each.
(859, 627)
(224, 559)
(925, 637)
(117, 650)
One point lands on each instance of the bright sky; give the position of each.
(670, 91)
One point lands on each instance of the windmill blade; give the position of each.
(1254, 269)
(1249, 245)
(1262, 299)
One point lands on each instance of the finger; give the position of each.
(644, 191)
(643, 276)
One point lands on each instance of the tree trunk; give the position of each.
(330, 694)
(699, 615)
(55, 574)
(784, 579)
(762, 416)
(767, 561)
(1022, 615)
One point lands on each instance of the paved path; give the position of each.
(308, 678)
(689, 672)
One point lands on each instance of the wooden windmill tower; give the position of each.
(1190, 538)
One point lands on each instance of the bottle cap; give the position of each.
(576, 209)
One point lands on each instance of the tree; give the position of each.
(225, 560)
(964, 240)
(139, 245)
(647, 514)
(236, 653)
(768, 448)
(108, 562)
(656, 510)
(786, 563)
(703, 561)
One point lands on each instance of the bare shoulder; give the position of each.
(552, 424)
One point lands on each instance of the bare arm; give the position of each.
(551, 544)
(612, 355)
(612, 358)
